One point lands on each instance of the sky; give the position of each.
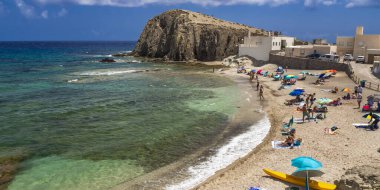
(93, 20)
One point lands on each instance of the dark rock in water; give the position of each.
(361, 177)
(180, 35)
(8, 168)
(107, 60)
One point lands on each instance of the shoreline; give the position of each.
(274, 127)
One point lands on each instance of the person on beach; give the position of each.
(286, 68)
(257, 85)
(356, 90)
(359, 99)
(307, 100)
(261, 94)
(305, 113)
(374, 125)
(312, 99)
(360, 90)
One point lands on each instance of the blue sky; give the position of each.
(124, 19)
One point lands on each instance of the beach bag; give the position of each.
(366, 107)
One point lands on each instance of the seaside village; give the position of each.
(325, 99)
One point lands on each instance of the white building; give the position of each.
(259, 47)
(305, 50)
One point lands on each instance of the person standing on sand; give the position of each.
(305, 113)
(286, 68)
(261, 94)
(312, 99)
(359, 99)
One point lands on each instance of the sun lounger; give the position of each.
(361, 125)
(278, 145)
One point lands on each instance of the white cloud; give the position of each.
(45, 14)
(63, 12)
(25, 9)
(313, 3)
(363, 3)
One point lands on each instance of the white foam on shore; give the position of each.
(236, 148)
(108, 73)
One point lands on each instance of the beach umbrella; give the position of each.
(307, 167)
(323, 101)
(346, 90)
(304, 72)
(253, 70)
(259, 71)
(299, 89)
(295, 93)
(321, 75)
(368, 115)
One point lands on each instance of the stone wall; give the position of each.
(306, 64)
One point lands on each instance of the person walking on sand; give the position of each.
(258, 85)
(359, 99)
(261, 94)
(305, 113)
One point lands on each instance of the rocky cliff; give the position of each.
(181, 35)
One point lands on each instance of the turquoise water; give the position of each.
(71, 122)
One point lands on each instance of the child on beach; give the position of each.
(261, 94)
(305, 113)
(359, 99)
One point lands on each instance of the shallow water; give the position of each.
(80, 124)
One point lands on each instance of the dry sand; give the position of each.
(349, 148)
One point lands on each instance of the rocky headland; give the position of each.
(181, 35)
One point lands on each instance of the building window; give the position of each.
(341, 44)
(302, 51)
(349, 44)
(273, 43)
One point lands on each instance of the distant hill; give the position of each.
(181, 35)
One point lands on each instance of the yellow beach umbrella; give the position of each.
(346, 90)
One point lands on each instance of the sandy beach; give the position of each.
(351, 147)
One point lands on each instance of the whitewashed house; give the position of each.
(259, 47)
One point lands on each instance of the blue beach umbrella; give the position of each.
(307, 167)
(295, 93)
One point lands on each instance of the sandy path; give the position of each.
(351, 147)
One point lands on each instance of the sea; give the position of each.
(70, 122)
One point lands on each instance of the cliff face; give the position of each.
(180, 35)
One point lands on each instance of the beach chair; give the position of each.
(286, 127)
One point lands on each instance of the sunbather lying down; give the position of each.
(318, 82)
(331, 131)
(291, 142)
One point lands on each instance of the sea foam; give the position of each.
(108, 73)
(236, 148)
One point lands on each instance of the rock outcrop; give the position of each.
(358, 178)
(180, 35)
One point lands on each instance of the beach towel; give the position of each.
(361, 125)
(277, 145)
(299, 120)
